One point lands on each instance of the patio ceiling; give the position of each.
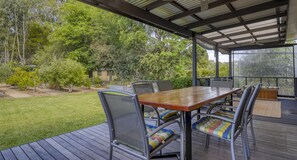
(229, 24)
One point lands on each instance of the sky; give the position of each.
(222, 57)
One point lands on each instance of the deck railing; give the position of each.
(285, 84)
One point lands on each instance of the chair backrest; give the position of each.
(251, 103)
(142, 87)
(221, 83)
(164, 85)
(240, 111)
(125, 120)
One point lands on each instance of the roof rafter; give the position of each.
(233, 10)
(256, 36)
(265, 45)
(198, 9)
(242, 12)
(260, 41)
(252, 30)
(246, 22)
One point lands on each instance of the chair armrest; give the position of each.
(163, 126)
(214, 116)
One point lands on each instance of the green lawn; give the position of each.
(26, 120)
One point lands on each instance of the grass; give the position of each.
(27, 120)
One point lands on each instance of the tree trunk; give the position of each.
(13, 49)
(17, 34)
(23, 60)
(70, 88)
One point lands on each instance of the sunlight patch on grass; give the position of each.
(26, 120)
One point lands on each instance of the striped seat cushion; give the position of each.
(213, 126)
(158, 138)
(225, 113)
(164, 114)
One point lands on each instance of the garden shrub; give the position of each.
(5, 72)
(23, 79)
(64, 73)
(87, 82)
(181, 82)
(97, 81)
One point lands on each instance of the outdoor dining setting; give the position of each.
(249, 114)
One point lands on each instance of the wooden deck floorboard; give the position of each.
(275, 141)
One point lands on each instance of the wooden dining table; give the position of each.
(186, 100)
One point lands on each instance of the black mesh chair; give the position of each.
(127, 129)
(151, 112)
(226, 128)
(221, 83)
(164, 85)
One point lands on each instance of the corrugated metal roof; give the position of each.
(229, 43)
(241, 36)
(256, 15)
(233, 30)
(185, 20)
(213, 12)
(166, 11)
(262, 24)
(226, 22)
(220, 40)
(140, 3)
(200, 29)
(265, 31)
(240, 4)
(212, 34)
(268, 37)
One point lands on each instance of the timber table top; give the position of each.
(185, 99)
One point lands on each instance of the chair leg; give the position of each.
(243, 139)
(247, 142)
(206, 143)
(232, 150)
(253, 132)
(110, 152)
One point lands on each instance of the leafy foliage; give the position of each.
(181, 82)
(5, 72)
(64, 73)
(23, 79)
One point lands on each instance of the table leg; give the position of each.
(187, 135)
(198, 116)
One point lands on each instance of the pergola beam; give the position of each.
(249, 31)
(266, 45)
(255, 36)
(238, 13)
(263, 42)
(198, 9)
(246, 23)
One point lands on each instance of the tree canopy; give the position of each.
(39, 32)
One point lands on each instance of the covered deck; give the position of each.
(224, 26)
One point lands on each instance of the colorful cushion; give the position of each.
(225, 113)
(213, 126)
(158, 138)
(164, 114)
